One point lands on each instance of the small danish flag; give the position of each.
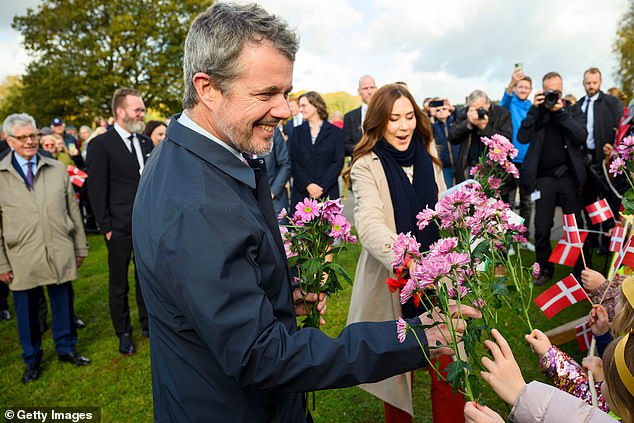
(566, 253)
(584, 336)
(564, 293)
(599, 211)
(617, 239)
(571, 231)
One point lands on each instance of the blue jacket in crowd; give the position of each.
(441, 131)
(519, 109)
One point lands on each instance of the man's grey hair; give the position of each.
(476, 94)
(17, 120)
(217, 37)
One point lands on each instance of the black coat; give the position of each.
(469, 139)
(113, 177)
(225, 345)
(569, 124)
(278, 169)
(352, 130)
(608, 112)
(318, 163)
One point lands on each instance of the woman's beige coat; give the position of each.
(371, 299)
(41, 230)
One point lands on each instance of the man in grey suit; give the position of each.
(353, 120)
(222, 309)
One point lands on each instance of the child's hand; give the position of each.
(538, 341)
(476, 413)
(504, 375)
(595, 365)
(598, 320)
(591, 279)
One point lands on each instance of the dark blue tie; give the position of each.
(29, 173)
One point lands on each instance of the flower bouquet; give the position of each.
(623, 164)
(317, 233)
(463, 267)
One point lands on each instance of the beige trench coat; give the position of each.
(41, 230)
(371, 299)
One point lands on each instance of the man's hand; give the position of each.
(300, 303)
(591, 279)
(598, 320)
(539, 98)
(504, 375)
(314, 191)
(558, 106)
(440, 332)
(538, 341)
(79, 261)
(108, 235)
(476, 413)
(6, 277)
(472, 118)
(595, 365)
(516, 76)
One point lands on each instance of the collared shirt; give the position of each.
(24, 163)
(589, 111)
(364, 110)
(187, 122)
(125, 135)
(298, 119)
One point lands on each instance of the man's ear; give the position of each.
(206, 88)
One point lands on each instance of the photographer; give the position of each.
(553, 168)
(479, 118)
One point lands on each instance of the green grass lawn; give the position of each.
(121, 386)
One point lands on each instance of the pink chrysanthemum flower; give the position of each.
(461, 291)
(282, 215)
(430, 269)
(340, 227)
(479, 303)
(404, 245)
(494, 183)
(425, 217)
(617, 166)
(442, 246)
(410, 288)
(307, 210)
(331, 208)
(401, 329)
(536, 269)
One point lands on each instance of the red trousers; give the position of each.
(446, 407)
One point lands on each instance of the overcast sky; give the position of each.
(442, 48)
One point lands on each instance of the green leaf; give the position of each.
(480, 250)
(498, 287)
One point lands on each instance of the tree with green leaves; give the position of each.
(624, 47)
(83, 50)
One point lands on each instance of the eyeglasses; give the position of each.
(24, 138)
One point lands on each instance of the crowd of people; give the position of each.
(192, 203)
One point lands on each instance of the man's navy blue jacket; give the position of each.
(224, 342)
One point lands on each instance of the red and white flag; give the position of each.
(617, 239)
(599, 211)
(564, 293)
(571, 231)
(584, 336)
(566, 253)
(77, 176)
(627, 253)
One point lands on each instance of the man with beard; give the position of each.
(225, 345)
(115, 162)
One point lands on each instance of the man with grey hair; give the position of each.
(43, 242)
(225, 344)
(479, 118)
(353, 120)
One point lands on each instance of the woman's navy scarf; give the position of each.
(408, 199)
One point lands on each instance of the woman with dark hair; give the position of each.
(155, 130)
(395, 174)
(317, 151)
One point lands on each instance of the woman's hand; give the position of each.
(504, 375)
(538, 341)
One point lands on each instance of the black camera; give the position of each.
(551, 97)
(482, 112)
